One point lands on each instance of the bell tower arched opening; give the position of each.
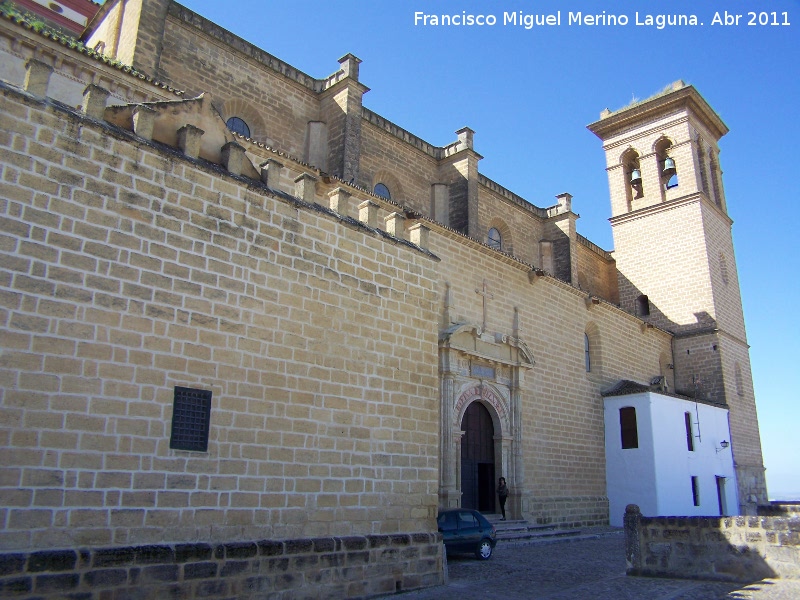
(632, 170)
(668, 172)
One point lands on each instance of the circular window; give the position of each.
(237, 125)
(382, 191)
(55, 7)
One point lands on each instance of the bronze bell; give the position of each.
(669, 168)
(636, 177)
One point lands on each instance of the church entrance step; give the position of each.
(519, 531)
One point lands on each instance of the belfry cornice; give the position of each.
(693, 198)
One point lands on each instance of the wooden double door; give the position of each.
(477, 459)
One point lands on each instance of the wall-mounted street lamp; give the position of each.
(723, 445)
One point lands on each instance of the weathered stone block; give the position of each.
(16, 586)
(298, 546)
(94, 101)
(51, 583)
(52, 560)
(105, 578)
(159, 573)
(240, 550)
(189, 138)
(202, 570)
(37, 77)
(154, 554)
(107, 557)
(12, 563)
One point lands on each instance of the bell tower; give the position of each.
(675, 257)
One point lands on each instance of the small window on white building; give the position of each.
(721, 501)
(695, 491)
(628, 430)
(687, 417)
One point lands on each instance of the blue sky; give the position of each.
(529, 93)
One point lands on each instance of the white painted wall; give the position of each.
(657, 475)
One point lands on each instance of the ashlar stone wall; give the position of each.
(408, 172)
(597, 271)
(126, 271)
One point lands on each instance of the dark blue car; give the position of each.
(466, 530)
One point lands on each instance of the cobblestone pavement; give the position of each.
(578, 569)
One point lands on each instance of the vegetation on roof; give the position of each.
(11, 12)
(674, 86)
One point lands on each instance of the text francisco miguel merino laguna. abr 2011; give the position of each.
(603, 19)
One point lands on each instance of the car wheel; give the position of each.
(484, 551)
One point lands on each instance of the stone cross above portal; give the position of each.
(486, 295)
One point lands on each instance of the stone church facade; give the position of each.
(263, 360)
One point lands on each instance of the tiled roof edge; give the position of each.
(22, 20)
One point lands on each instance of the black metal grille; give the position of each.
(191, 414)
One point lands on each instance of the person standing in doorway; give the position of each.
(502, 493)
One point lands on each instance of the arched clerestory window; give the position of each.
(592, 351)
(495, 239)
(238, 125)
(382, 190)
(587, 353)
(642, 306)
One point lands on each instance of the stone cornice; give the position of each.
(644, 133)
(231, 40)
(523, 357)
(512, 197)
(696, 197)
(686, 98)
(605, 254)
(710, 331)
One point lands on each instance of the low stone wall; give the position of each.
(348, 567)
(742, 549)
(779, 509)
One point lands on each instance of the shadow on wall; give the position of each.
(736, 549)
(697, 360)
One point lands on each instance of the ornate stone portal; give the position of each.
(479, 366)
